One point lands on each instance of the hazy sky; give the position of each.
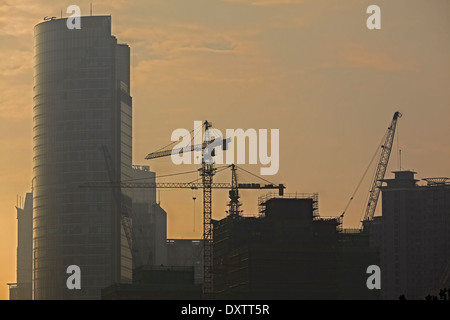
(306, 67)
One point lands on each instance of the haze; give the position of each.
(309, 68)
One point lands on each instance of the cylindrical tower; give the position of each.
(82, 133)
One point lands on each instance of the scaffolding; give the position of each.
(435, 182)
(262, 200)
(283, 253)
(351, 231)
(333, 220)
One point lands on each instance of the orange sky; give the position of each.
(309, 68)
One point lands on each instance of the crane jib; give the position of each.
(386, 149)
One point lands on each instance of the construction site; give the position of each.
(288, 250)
(258, 206)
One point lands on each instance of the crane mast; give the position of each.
(207, 172)
(234, 203)
(386, 149)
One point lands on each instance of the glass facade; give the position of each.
(82, 107)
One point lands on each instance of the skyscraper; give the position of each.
(82, 133)
(415, 242)
(21, 290)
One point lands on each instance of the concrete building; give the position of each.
(21, 290)
(356, 254)
(149, 222)
(415, 244)
(82, 127)
(186, 253)
(289, 252)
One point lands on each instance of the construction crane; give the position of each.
(374, 194)
(207, 171)
(183, 185)
(125, 211)
(207, 206)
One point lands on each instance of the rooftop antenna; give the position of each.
(194, 198)
(91, 9)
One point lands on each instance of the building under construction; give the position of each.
(290, 252)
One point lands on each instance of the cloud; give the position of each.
(175, 53)
(171, 51)
(15, 62)
(16, 84)
(14, 104)
(428, 149)
(18, 18)
(171, 41)
(358, 55)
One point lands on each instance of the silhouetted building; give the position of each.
(21, 290)
(157, 283)
(289, 253)
(356, 254)
(376, 231)
(82, 125)
(415, 246)
(149, 222)
(186, 253)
